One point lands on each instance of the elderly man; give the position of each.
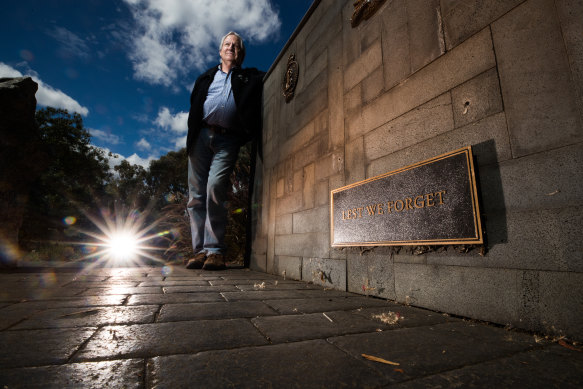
(225, 113)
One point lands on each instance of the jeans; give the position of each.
(210, 165)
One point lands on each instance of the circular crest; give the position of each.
(290, 78)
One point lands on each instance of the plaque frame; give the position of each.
(476, 239)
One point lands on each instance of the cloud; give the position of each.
(104, 136)
(177, 123)
(135, 159)
(71, 44)
(143, 144)
(173, 36)
(46, 95)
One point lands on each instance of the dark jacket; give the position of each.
(247, 85)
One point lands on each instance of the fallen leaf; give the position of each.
(567, 345)
(399, 370)
(380, 360)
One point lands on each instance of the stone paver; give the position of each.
(177, 328)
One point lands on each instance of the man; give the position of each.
(225, 113)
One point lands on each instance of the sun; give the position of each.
(123, 246)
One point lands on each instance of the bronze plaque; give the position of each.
(433, 202)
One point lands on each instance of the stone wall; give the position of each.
(419, 79)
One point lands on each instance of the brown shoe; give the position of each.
(214, 262)
(197, 262)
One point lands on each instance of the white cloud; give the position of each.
(177, 123)
(104, 136)
(46, 95)
(135, 159)
(143, 144)
(175, 35)
(71, 44)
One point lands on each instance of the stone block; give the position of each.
(540, 100)
(445, 347)
(315, 68)
(395, 41)
(289, 267)
(425, 122)
(41, 347)
(313, 244)
(150, 340)
(481, 293)
(330, 273)
(371, 275)
(329, 165)
(561, 303)
(540, 181)
(289, 203)
(256, 367)
(309, 190)
(325, 30)
(92, 375)
(311, 100)
(283, 224)
(476, 99)
(570, 16)
(488, 138)
(322, 193)
(358, 70)
(312, 220)
(426, 41)
(328, 304)
(372, 85)
(335, 115)
(355, 160)
(462, 19)
(298, 179)
(307, 153)
(204, 311)
(174, 298)
(466, 61)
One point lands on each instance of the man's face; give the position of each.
(230, 50)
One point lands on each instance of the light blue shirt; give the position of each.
(219, 107)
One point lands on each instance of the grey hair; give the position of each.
(241, 49)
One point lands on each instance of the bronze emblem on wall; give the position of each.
(363, 10)
(290, 78)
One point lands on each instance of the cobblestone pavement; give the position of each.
(178, 328)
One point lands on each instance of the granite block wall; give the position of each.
(418, 79)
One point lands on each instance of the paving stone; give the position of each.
(99, 284)
(326, 304)
(174, 298)
(562, 369)
(291, 328)
(422, 351)
(89, 375)
(89, 317)
(114, 289)
(40, 347)
(267, 285)
(197, 289)
(176, 282)
(21, 293)
(87, 301)
(312, 364)
(280, 294)
(401, 316)
(149, 340)
(224, 310)
(267, 281)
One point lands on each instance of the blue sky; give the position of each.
(128, 66)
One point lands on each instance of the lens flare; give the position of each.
(70, 220)
(123, 246)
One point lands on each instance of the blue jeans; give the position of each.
(210, 165)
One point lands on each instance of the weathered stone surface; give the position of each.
(313, 220)
(195, 288)
(444, 347)
(330, 273)
(203, 311)
(321, 304)
(293, 328)
(462, 19)
(523, 367)
(426, 42)
(89, 317)
(286, 365)
(279, 294)
(371, 275)
(476, 99)
(290, 267)
(316, 244)
(539, 98)
(115, 289)
(486, 294)
(148, 299)
(91, 375)
(369, 60)
(40, 347)
(149, 340)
